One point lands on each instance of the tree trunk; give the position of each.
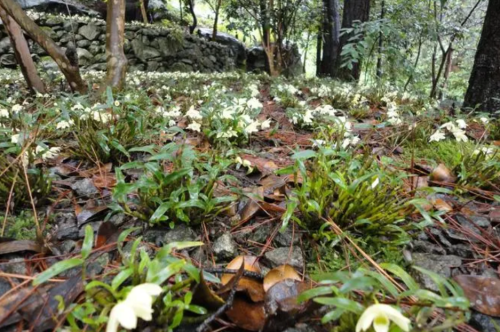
(193, 14)
(264, 14)
(380, 43)
(22, 52)
(143, 11)
(354, 10)
(70, 71)
(216, 20)
(447, 71)
(331, 37)
(115, 30)
(319, 47)
(484, 82)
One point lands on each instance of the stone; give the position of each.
(84, 187)
(225, 247)
(5, 286)
(441, 265)
(96, 267)
(67, 246)
(128, 248)
(427, 247)
(83, 43)
(67, 232)
(15, 266)
(237, 47)
(8, 60)
(84, 54)
(89, 31)
(5, 45)
(153, 65)
(182, 67)
(483, 322)
(70, 26)
(144, 52)
(180, 233)
(281, 256)
(287, 238)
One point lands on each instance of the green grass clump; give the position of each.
(448, 152)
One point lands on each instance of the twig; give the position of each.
(249, 274)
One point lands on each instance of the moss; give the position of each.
(22, 226)
(448, 152)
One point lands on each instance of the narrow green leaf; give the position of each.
(56, 269)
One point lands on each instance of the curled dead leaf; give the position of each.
(205, 297)
(252, 287)
(247, 315)
(278, 274)
(441, 205)
(442, 174)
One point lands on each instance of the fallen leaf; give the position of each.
(264, 166)
(247, 315)
(206, 297)
(252, 287)
(252, 206)
(482, 292)
(441, 205)
(104, 181)
(278, 274)
(106, 234)
(442, 174)
(10, 247)
(84, 214)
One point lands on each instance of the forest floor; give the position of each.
(310, 182)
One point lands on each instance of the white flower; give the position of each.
(117, 103)
(14, 138)
(449, 125)
(484, 120)
(65, 124)
(254, 103)
(461, 123)
(308, 117)
(460, 135)
(194, 126)
(47, 153)
(4, 113)
(252, 127)
(265, 124)
(17, 108)
(137, 304)
(194, 114)
(172, 123)
(437, 136)
(375, 183)
(381, 315)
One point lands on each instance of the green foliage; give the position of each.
(174, 185)
(350, 294)
(352, 191)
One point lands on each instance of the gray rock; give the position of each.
(15, 266)
(5, 286)
(441, 265)
(141, 247)
(180, 233)
(5, 45)
(282, 256)
(144, 52)
(484, 323)
(182, 67)
(427, 247)
(287, 238)
(68, 246)
(83, 43)
(97, 266)
(84, 54)
(70, 26)
(84, 187)
(90, 31)
(8, 60)
(225, 247)
(237, 47)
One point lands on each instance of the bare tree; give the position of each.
(115, 38)
(22, 52)
(67, 67)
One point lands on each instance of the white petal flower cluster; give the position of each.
(381, 316)
(47, 153)
(137, 304)
(65, 124)
(456, 128)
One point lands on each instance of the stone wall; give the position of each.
(147, 47)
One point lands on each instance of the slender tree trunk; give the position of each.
(447, 71)
(115, 36)
(319, 46)
(264, 14)
(70, 71)
(216, 20)
(331, 37)
(416, 62)
(143, 11)
(193, 14)
(22, 52)
(380, 43)
(484, 82)
(354, 10)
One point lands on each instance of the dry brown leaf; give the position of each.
(442, 174)
(252, 287)
(104, 181)
(247, 315)
(482, 292)
(204, 296)
(19, 245)
(441, 205)
(252, 207)
(264, 166)
(278, 274)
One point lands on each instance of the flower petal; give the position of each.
(381, 324)
(366, 319)
(151, 289)
(398, 318)
(125, 315)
